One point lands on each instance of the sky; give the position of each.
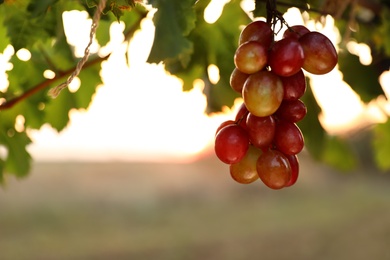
(140, 113)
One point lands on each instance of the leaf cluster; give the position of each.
(37, 26)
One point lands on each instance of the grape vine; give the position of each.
(187, 45)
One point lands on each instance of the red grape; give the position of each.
(295, 31)
(286, 57)
(241, 116)
(257, 31)
(237, 80)
(250, 57)
(288, 137)
(291, 110)
(261, 130)
(294, 164)
(245, 171)
(223, 124)
(274, 169)
(294, 86)
(320, 54)
(263, 92)
(231, 144)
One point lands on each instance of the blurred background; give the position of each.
(135, 177)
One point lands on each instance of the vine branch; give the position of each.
(60, 75)
(46, 83)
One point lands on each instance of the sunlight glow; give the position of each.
(19, 123)
(361, 50)
(214, 10)
(49, 74)
(23, 54)
(74, 85)
(213, 73)
(141, 113)
(384, 80)
(77, 27)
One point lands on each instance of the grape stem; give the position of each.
(274, 16)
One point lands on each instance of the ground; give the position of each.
(74, 210)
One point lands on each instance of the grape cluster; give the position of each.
(264, 140)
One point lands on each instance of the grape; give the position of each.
(320, 54)
(263, 93)
(291, 110)
(294, 86)
(286, 57)
(257, 31)
(261, 130)
(245, 171)
(274, 169)
(288, 137)
(295, 31)
(223, 124)
(241, 116)
(241, 112)
(237, 80)
(231, 144)
(250, 57)
(294, 164)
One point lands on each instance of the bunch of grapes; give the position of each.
(264, 140)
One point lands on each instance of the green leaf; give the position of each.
(18, 161)
(90, 79)
(3, 32)
(381, 145)
(311, 127)
(57, 110)
(38, 8)
(117, 7)
(213, 44)
(338, 154)
(2, 164)
(24, 29)
(363, 79)
(173, 20)
(103, 32)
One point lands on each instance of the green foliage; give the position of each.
(361, 77)
(38, 27)
(381, 145)
(187, 45)
(206, 44)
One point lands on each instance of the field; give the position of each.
(117, 210)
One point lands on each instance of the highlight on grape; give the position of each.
(264, 140)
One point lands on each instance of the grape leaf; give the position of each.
(363, 79)
(213, 44)
(3, 32)
(18, 159)
(24, 30)
(173, 21)
(57, 111)
(103, 32)
(337, 153)
(38, 8)
(381, 145)
(2, 164)
(117, 7)
(310, 126)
